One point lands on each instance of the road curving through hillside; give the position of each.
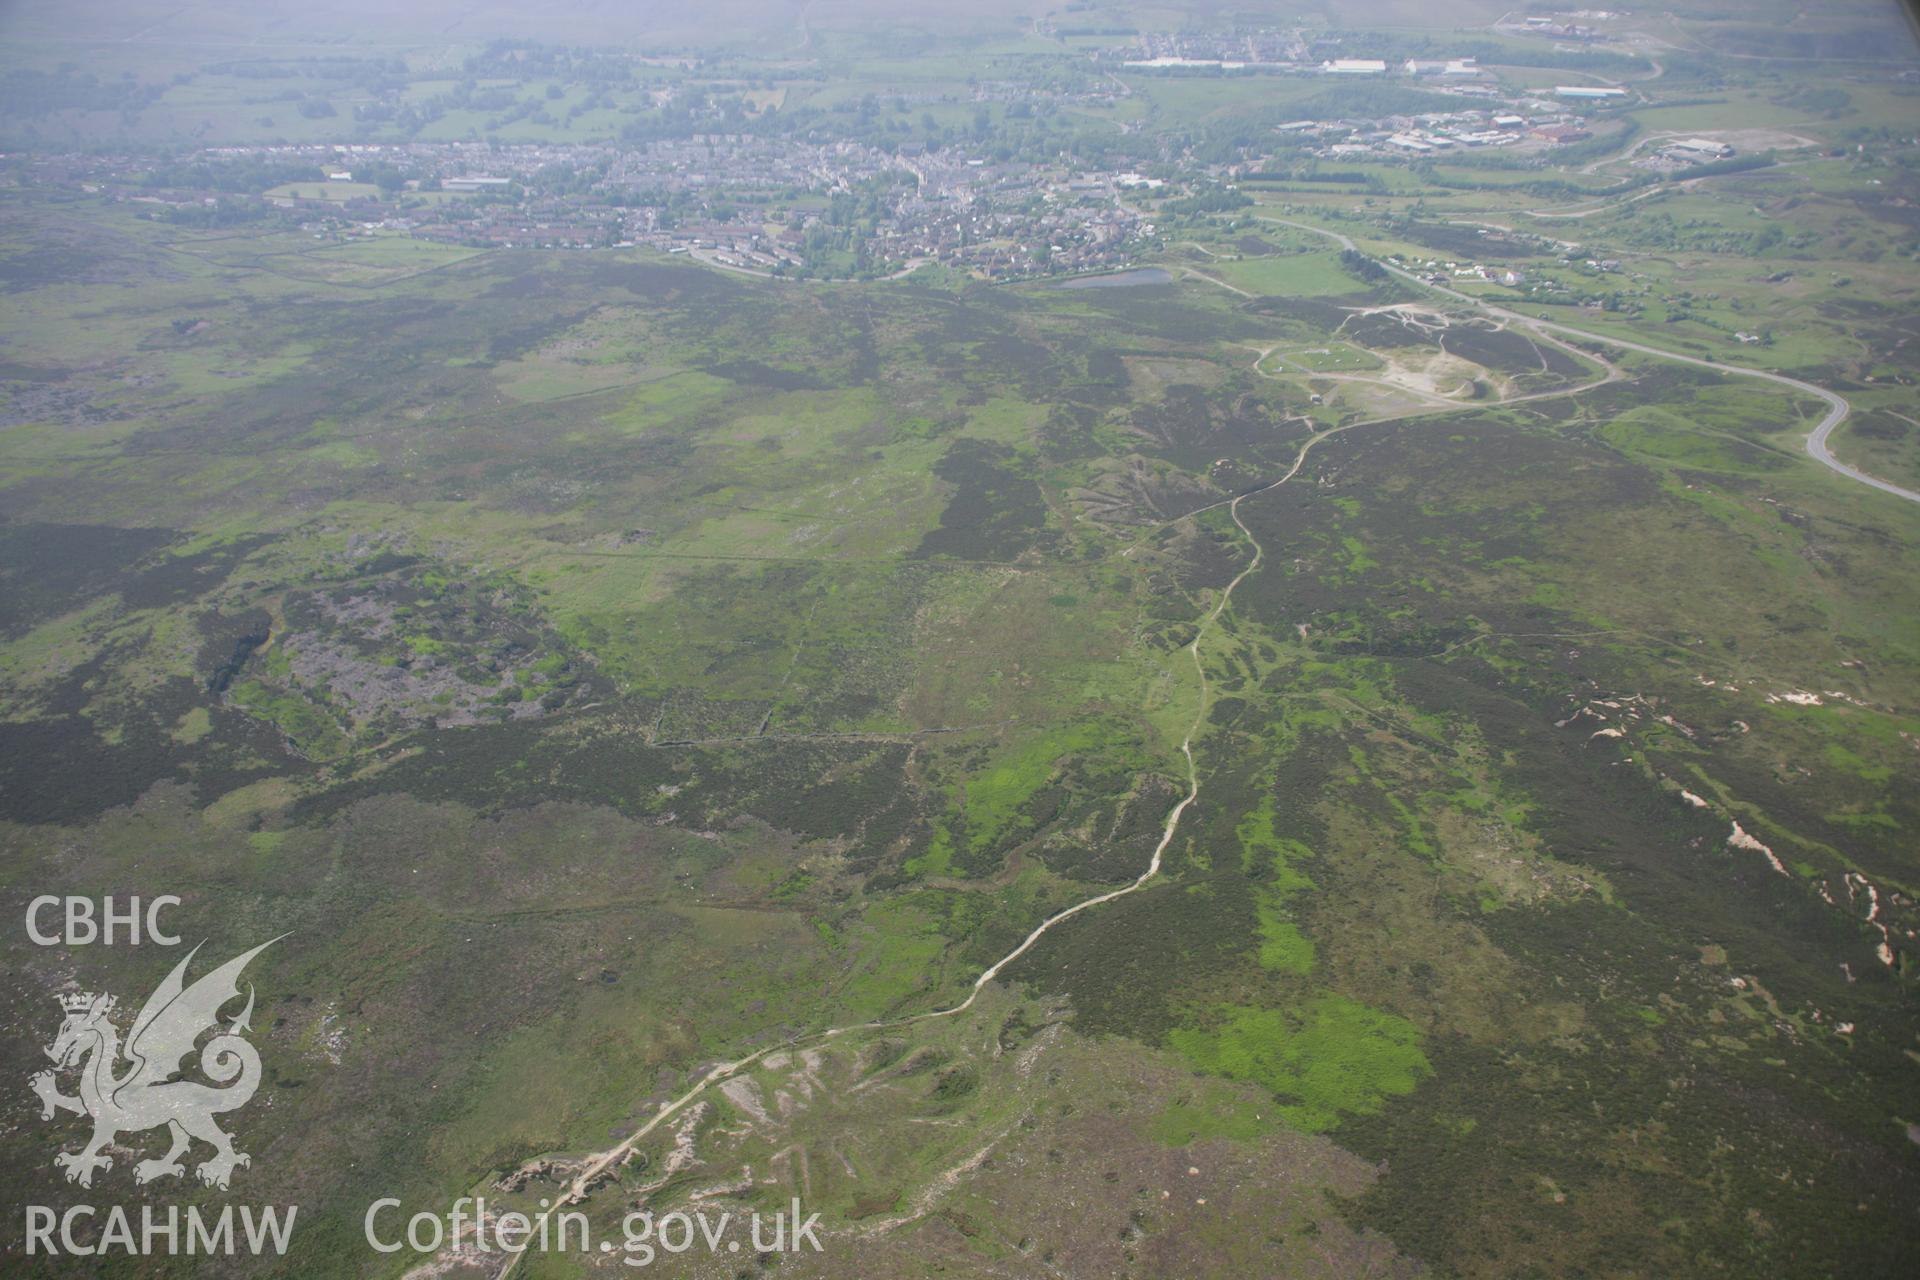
(1816, 442)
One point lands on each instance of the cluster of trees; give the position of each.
(506, 104)
(364, 75)
(387, 177)
(247, 175)
(223, 212)
(1361, 265)
(26, 94)
(1208, 200)
(526, 59)
(252, 175)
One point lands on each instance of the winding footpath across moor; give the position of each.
(597, 1167)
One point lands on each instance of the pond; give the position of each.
(1120, 279)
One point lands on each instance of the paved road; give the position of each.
(1837, 408)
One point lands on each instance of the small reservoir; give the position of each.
(1120, 279)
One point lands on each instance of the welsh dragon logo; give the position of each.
(146, 1094)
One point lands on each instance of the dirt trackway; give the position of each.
(599, 1165)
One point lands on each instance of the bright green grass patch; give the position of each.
(193, 726)
(1334, 1058)
(980, 813)
(1283, 947)
(1335, 357)
(1297, 275)
(1263, 853)
(344, 453)
(1261, 844)
(1841, 758)
(1007, 419)
(805, 423)
(655, 403)
(310, 730)
(1680, 445)
(902, 944)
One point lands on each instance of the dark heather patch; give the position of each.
(50, 569)
(751, 373)
(995, 513)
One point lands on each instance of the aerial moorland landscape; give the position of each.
(1087, 639)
